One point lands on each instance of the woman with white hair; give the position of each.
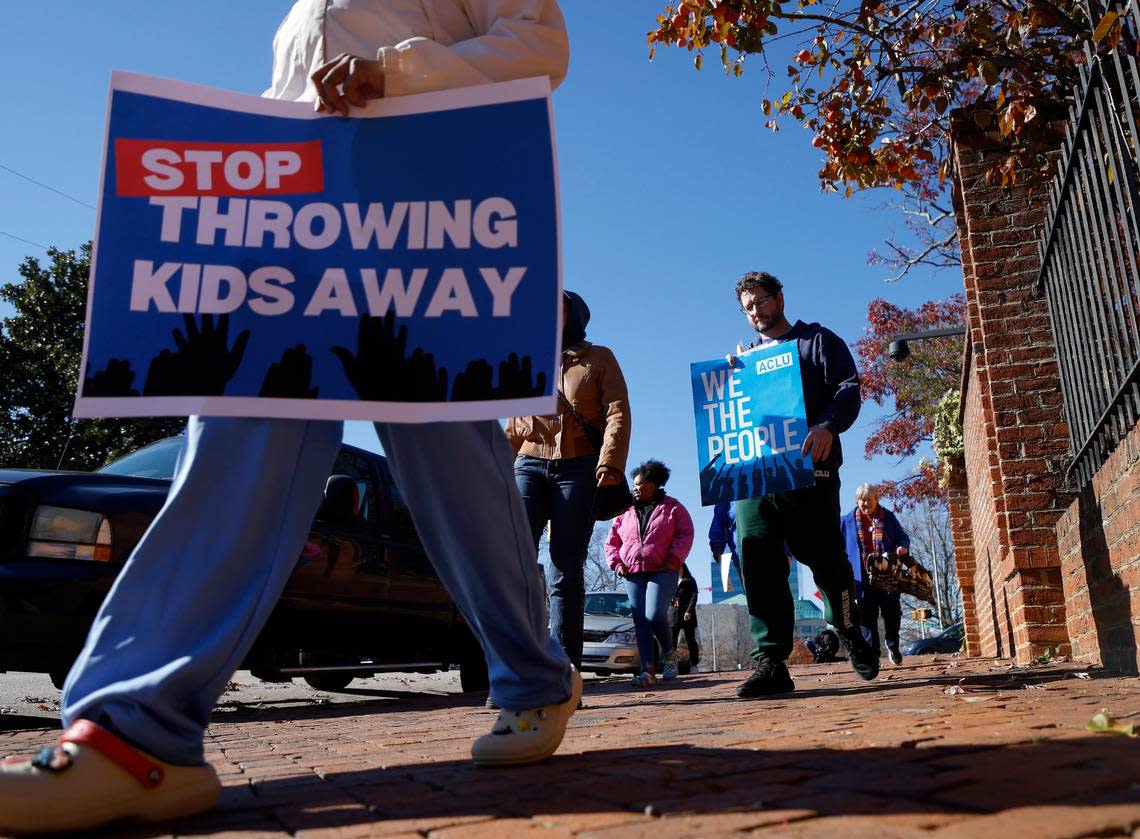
(871, 530)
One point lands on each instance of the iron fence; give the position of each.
(1090, 251)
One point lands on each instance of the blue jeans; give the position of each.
(562, 492)
(195, 593)
(650, 593)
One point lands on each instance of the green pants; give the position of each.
(808, 521)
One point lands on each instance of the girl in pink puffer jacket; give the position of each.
(647, 545)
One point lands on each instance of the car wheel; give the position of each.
(473, 677)
(333, 680)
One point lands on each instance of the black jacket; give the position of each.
(685, 600)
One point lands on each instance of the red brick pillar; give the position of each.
(958, 502)
(1016, 438)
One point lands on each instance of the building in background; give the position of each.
(809, 620)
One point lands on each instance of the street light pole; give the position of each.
(937, 578)
(899, 348)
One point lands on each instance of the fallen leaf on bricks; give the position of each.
(1102, 722)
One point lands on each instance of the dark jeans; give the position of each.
(808, 520)
(690, 630)
(875, 601)
(562, 492)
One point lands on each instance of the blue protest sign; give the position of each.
(751, 423)
(254, 258)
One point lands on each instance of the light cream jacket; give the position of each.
(425, 45)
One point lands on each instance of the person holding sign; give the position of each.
(200, 585)
(648, 545)
(807, 518)
(563, 459)
(871, 530)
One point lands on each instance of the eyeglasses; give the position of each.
(756, 303)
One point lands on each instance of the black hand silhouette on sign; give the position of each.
(381, 370)
(203, 363)
(116, 380)
(708, 476)
(516, 380)
(474, 383)
(291, 377)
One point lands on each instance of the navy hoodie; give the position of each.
(831, 384)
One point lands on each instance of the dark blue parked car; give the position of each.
(363, 598)
(949, 640)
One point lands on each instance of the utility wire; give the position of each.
(45, 186)
(25, 241)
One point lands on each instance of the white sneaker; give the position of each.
(520, 737)
(92, 778)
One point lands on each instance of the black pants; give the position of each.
(889, 604)
(690, 629)
(808, 521)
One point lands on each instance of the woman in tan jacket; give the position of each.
(563, 459)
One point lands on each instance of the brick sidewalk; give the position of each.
(1005, 753)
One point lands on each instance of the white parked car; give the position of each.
(609, 640)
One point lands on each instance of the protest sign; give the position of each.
(254, 258)
(751, 423)
(726, 572)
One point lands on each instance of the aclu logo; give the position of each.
(776, 362)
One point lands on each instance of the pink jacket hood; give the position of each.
(668, 539)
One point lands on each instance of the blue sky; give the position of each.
(671, 188)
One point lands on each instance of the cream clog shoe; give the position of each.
(521, 737)
(90, 778)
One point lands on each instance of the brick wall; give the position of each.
(1099, 541)
(1016, 439)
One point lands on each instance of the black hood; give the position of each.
(577, 316)
(107, 494)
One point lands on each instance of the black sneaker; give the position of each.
(863, 659)
(769, 677)
(895, 655)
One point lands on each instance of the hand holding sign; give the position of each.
(347, 80)
(818, 443)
